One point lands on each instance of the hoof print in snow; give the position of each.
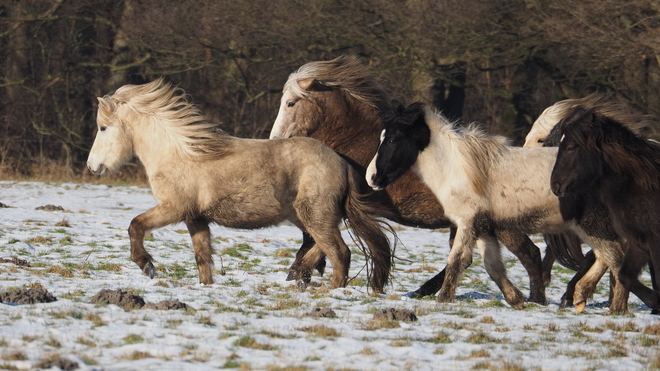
(119, 298)
(168, 305)
(30, 295)
(50, 208)
(322, 313)
(392, 314)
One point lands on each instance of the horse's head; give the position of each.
(112, 146)
(405, 134)
(578, 165)
(544, 124)
(302, 108)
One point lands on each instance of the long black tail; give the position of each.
(368, 229)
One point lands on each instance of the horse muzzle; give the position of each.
(98, 169)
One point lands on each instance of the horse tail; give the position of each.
(367, 229)
(567, 248)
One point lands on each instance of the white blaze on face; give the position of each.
(283, 121)
(99, 152)
(371, 169)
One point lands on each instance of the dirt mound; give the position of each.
(322, 313)
(119, 298)
(17, 261)
(61, 363)
(168, 305)
(392, 314)
(30, 295)
(50, 208)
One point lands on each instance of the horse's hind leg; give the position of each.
(201, 241)
(157, 217)
(490, 251)
(530, 257)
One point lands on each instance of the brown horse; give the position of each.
(339, 103)
(201, 175)
(602, 158)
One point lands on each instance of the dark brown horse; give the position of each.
(598, 155)
(339, 103)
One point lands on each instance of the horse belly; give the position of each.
(246, 211)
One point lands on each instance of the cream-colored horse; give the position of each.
(199, 174)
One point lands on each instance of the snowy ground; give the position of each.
(251, 318)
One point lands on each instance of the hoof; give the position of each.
(655, 312)
(409, 294)
(579, 307)
(149, 270)
(539, 301)
(291, 276)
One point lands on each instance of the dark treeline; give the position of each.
(498, 62)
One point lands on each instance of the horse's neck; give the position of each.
(354, 134)
(153, 147)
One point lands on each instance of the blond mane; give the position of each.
(346, 73)
(477, 151)
(168, 107)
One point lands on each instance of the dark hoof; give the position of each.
(655, 311)
(320, 266)
(149, 270)
(291, 276)
(540, 301)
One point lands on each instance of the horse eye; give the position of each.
(291, 104)
(391, 141)
(103, 128)
(541, 140)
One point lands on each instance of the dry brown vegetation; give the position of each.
(497, 62)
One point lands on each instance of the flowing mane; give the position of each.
(623, 150)
(169, 108)
(477, 151)
(345, 73)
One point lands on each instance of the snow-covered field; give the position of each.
(252, 319)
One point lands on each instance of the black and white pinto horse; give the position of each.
(485, 186)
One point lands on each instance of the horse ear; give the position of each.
(305, 84)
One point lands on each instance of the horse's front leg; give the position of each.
(295, 272)
(200, 233)
(491, 254)
(633, 261)
(460, 257)
(157, 217)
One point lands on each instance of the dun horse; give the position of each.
(485, 186)
(201, 175)
(339, 103)
(601, 156)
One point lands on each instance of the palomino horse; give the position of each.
(605, 104)
(339, 103)
(201, 175)
(485, 186)
(602, 157)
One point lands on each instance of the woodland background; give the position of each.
(498, 62)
